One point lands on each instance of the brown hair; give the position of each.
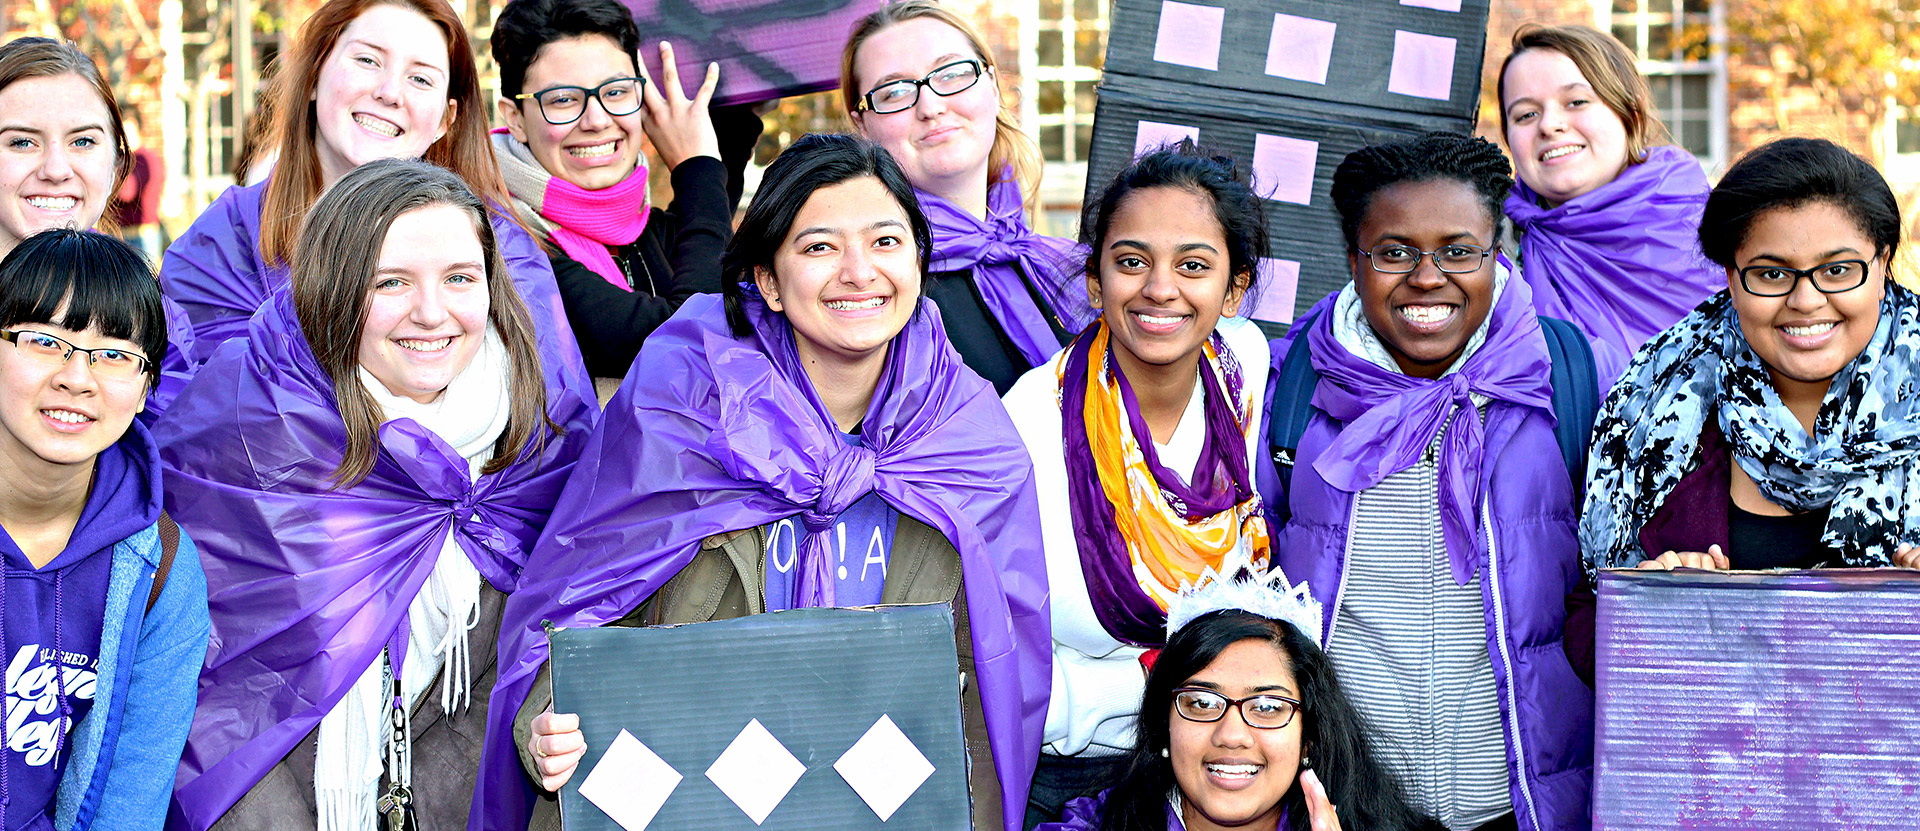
(296, 180)
(37, 57)
(1608, 68)
(1013, 152)
(333, 268)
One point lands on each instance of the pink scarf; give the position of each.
(585, 221)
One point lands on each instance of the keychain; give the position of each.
(396, 805)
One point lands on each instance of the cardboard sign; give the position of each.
(1416, 56)
(1758, 700)
(809, 720)
(767, 49)
(1290, 148)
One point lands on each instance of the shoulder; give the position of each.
(1034, 400)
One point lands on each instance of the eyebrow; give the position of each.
(941, 61)
(1447, 240)
(1824, 258)
(22, 128)
(828, 229)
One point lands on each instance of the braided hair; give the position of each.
(1438, 155)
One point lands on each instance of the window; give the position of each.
(1906, 133)
(1680, 45)
(1069, 50)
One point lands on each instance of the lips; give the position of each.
(423, 345)
(1430, 317)
(856, 304)
(1809, 335)
(377, 126)
(64, 420)
(1561, 152)
(53, 203)
(1159, 322)
(1232, 775)
(595, 151)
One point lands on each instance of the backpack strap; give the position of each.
(1292, 410)
(169, 546)
(1576, 394)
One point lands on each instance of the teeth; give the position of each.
(856, 305)
(1426, 314)
(1808, 330)
(594, 152)
(425, 345)
(1234, 771)
(66, 416)
(376, 125)
(1557, 152)
(1156, 320)
(53, 203)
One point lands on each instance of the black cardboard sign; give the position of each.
(766, 50)
(818, 683)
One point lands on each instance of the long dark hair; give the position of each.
(1332, 733)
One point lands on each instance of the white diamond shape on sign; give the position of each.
(884, 768)
(630, 782)
(756, 771)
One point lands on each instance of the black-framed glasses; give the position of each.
(1456, 258)
(945, 80)
(106, 361)
(1779, 281)
(565, 105)
(1264, 712)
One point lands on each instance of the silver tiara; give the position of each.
(1239, 584)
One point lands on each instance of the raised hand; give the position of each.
(1319, 808)
(679, 126)
(557, 746)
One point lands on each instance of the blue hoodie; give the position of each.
(120, 670)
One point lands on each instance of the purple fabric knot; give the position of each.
(849, 476)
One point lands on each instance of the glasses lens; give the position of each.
(114, 363)
(561, 105)
(1767, 281)
(893, 97)
(1267, 712)
(621, 97)
(1394, 259)
(1200, 705)
(954, 77)
(1840, 276)
(1460, 257)
(42, 346)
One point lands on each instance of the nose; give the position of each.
(1426, 274)
(1162, 284)
(1553, 119)
(389, 90)
(56, 165)
(930, 104)
(594, 117)
(857, 267)
(76, 375)
(1232, 730)
(429, 305)
(1805, 297)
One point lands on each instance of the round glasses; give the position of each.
(107, 362)
(950, 79)
(565, 105)
(1264, 712)
(1400, 259)
(1780, 281)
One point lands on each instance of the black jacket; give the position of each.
(979, 338)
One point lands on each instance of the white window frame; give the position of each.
(1064, 180)
(1714, 68)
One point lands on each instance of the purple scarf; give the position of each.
(307, 582)
(714, 433)
(999, 250)
(1391, 417)
(1621, 262)
(1220, 481)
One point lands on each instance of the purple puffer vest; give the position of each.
(1546, 709)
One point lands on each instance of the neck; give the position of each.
(1803, 398)
(40, 503)
(1161, 391)
(845, 385)
(968, 190)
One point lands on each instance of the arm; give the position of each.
(610, 323)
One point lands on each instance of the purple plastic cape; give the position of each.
(713, 433)
(998, 251)
(216, 273)
(308, 583)
(1391, 417)
(1623, 261)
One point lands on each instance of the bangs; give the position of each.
(80, 280)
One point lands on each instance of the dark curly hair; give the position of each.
(1438, 155)
(1187, 165)
(525, 27)
(1790, 173)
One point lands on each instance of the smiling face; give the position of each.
(942, 142)
(1807, 337)
(847, 277)
(598, 150)
(1229, 774)
(57, 415)
(56, 157)
(382, 93)
(427, 309)
(1164, 278)
(1426, 316)
(1565, 141)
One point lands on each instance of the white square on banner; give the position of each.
(884, 767)
(630, 782)
(756, 771)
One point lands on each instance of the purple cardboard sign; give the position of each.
(1422, 65)
(1274, 294)
(1759, 701)
(1153, 134)
(765, 49)
(1189, 35)
(1300, 48)
(1283, 168)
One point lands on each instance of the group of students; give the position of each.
(279, 552)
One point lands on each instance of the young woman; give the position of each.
(819, 401)
(103, 606)
(1774, 426)
(366, 79)
(920, 82)
(1143, 435)
(575, 99)
(1605, 218)
(1429, 505)
(63, 155)
(367, 470)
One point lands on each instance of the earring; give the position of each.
(1305, 761)
(1164, 754)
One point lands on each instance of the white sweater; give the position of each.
(1097, 680)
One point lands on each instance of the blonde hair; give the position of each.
(1608, 68)
(1013, 154)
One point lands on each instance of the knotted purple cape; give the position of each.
(217, 274)
(1001, 248)
(1391, 417)
(713, 433)
(308, 583)
(1623, 261)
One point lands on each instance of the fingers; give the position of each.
(705, 95)
(1908, 556)
(1719, 558)
(556, 747)
(551, 723)
(1319, 808)
(670, 72)
(1711, 559)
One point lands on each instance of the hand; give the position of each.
(679, 126)
(1319, 808)
(1907, 556)
(1712, 560)
(557, 747)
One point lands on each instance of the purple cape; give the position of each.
(216, 273)
(1391, 417)
(998, 250)
(308, 583)
(1621, 262)
(713, 433)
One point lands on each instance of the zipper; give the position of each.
(1506, 659)
(1340, 589)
